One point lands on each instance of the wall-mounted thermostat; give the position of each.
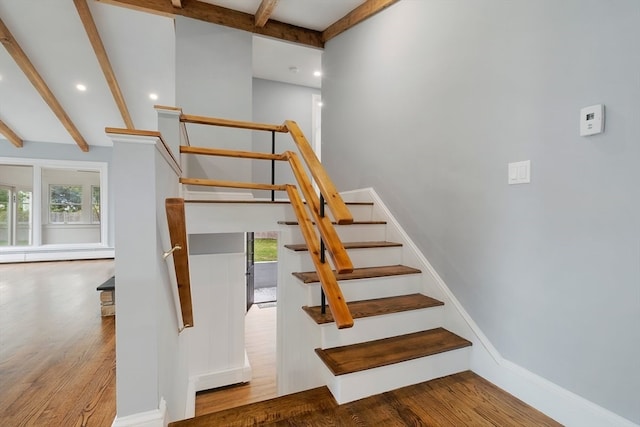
(591, 120)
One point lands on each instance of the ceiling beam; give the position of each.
(103, 59)
(10, 134)
(357, 15)
(21, 58)
(176, 3)
(264, 12)
(230, 18)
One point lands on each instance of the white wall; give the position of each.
(428, 101)
(213, 78)
(275, 102)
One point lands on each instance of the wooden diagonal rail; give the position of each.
(337, 303)
(332, 242)
(178, 235)
(337, 206)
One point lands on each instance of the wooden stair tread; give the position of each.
(267, 411)
(335, 223)
(376, 307)
(361, 273)
(349, 245)
(387, 351)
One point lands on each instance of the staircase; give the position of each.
(380, 331)
(398, 337)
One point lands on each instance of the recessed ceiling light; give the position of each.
(317, 73)
(153, 96)
(320, 104)
(81, 87)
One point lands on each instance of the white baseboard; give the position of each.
(154, 418)
(56, 255)
(558, 403)
(214, 380)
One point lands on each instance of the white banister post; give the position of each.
(150, 355)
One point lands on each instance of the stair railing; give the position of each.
(328, 239)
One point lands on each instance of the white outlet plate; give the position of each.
(591, 120)
(520, 172)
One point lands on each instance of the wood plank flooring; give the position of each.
(57, 354)
(57, 367)
(463, 399)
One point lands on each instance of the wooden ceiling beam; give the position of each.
(176, 3)
(21, 58)
(230, 18)
(357, 15)
(103, 59)
(264, 12)
(10, 134)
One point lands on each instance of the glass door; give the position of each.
(6, 221)
(15, 217)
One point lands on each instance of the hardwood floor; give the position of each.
(463, 399)
(57, 354)
(57, 368)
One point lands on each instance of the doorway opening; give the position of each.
(262, 268)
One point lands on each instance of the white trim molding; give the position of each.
(154, 418)
(214, 380)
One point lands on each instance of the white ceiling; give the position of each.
(140, 50)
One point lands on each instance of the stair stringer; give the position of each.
(558, 403)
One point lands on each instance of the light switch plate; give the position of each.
(591, 120)
(520, 172)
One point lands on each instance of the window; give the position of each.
(65, 204)
(95, 204)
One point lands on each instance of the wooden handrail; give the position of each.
(332, 242)
(178, 236)
(232, 184)
(187, 118)
(232, 153)
(338, 208)
(337, 303)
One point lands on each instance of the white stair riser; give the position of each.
(370, 257)
(379, 287)
(378, 327)
(359, 213)
(351, 233)
(350, 387)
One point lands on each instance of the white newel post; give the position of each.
(151, 355)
